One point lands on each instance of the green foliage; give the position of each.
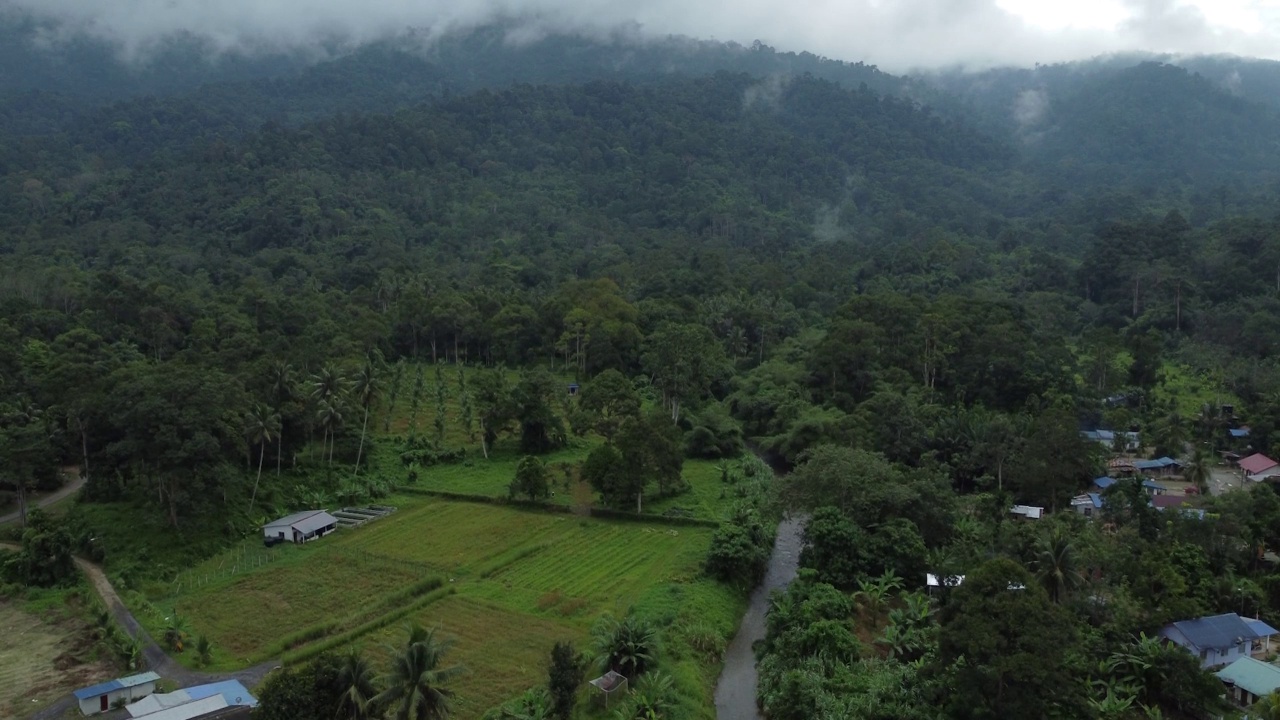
(532, 479)
(305, 692)
(564, 677)
(609, 400)
(45, 558)
(740, 549)
(416, 685)
(628, 646)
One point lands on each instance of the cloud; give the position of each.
(1029, 107)
(898, 35)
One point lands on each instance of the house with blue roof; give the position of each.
(1132, 442)
(105, 696)
(1160, 467)
(1217, 639)
(1088, 504)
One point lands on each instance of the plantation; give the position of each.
(46, 653)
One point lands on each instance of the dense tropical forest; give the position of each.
(243, 290)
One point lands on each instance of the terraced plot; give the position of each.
(251, 610)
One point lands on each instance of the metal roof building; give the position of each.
(301, 526)
(1217, 639)
(1250, 680)
(205, 698)
(103, 696)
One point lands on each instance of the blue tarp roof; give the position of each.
(231, 690)
(1156, 464)
(1096, 498)
(1104, 482)
(1216, 631)
(1239, 432)
(118, 684)
(1152, 485)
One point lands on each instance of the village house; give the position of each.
(1107, 438)
(1027, 512)
(1249, 680)
(1217, 639)
(193, 702)
(1258, 467)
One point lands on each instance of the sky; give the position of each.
(897, 35)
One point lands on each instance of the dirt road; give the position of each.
(156, 658)
(73, 486)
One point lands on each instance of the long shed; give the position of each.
(301, 526)
(104, 696)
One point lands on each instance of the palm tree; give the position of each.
(629, 646)
(355, 676)
(1055, 564)
(204, 650)
(329, 415)
(1268, 708)
(1199, 470)
(281, 377)
(262, 425)
(366, 390)
(416, 683)
(176, 631)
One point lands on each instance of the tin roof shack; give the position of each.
(113, 693)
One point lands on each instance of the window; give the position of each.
(1204, 654)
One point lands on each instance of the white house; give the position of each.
(300, 527)
(104, 696)
(1217, 639)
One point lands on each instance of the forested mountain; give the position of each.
(912, 294)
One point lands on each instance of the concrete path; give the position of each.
(65, 491)
(153, 655)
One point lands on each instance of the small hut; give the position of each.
(610, 684)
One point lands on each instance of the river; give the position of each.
(736, 688)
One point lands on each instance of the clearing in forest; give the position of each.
(42, 660)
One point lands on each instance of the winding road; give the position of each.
(65, 491)
(156, 658)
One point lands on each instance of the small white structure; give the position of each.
(1030, 512)
(104, 696)
(300, 527)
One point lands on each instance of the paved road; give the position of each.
(65, 491)
(156, 658)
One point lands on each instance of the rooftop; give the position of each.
(1215, 631)
(305, 521)
(1255, 676)
(1257, 463)
(118, 684)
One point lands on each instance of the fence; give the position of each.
(248, 555)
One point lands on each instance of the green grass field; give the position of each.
(521, 581)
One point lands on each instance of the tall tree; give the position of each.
(262, 425)
(366, 389)
(684, 361)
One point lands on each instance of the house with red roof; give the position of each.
(1259, 467)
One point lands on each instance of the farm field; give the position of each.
(40, 659)
(521, 580)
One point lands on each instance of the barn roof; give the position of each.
(118, 684)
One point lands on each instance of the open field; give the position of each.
(44, 656)
(521, 580)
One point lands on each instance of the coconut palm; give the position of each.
(356, 677)
(329, 415)
(282, 390)
(534, 704)
(1055, 565)
(262, 425)
(366, 389)
(416, 683)
(1199, 470)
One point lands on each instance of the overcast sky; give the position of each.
(897, 35)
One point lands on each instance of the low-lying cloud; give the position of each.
(897, 35)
